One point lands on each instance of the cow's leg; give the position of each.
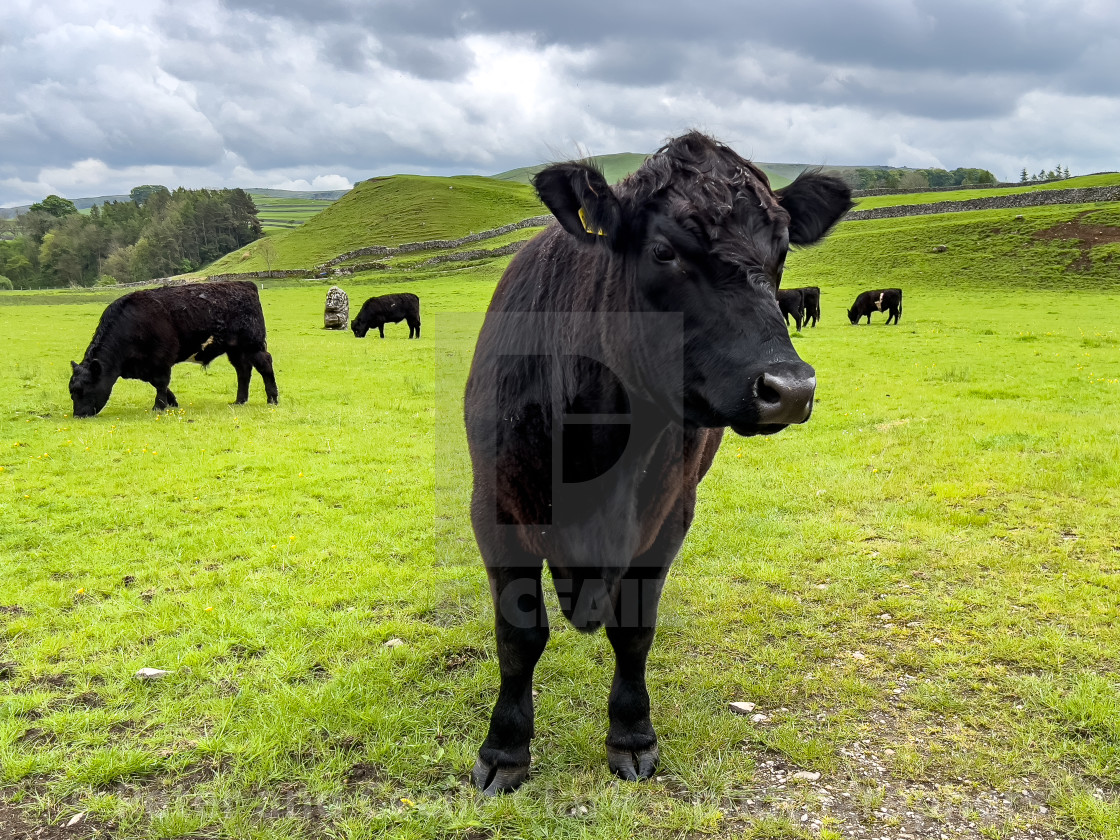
(243, 364)
(521, 626)
(632, 751)
(164, 398)
(262, 361)
(381, 329)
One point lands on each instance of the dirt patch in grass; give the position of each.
(872, 795)
(14, 826)
(1087, 237)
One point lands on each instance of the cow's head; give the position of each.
(853, 315)
(360, 325)
(90, 387)
(697, 230)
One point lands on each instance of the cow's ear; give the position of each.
(815, 202)
(581, 200)
(73, 366)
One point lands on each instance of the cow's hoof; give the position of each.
(633, 765)
(493, 779)
(273, 400)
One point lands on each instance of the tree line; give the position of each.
(155, 233)
(1058, 174)
(915, 179)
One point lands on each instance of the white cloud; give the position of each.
(319, 182)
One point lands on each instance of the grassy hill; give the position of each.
(391, 211)
(618, 166)
(614, 168)
(1058, 248)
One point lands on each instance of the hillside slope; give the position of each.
(390, 211)
(618, 166)
(1063, 248)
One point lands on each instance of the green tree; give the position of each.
(140, 195)
(1023, 176)
(5, 284)
(54, 206)
(19, 262)
(913, 180)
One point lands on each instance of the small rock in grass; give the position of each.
(392, 643)
(742, 708)
(857, 655)
(807, 775)
(77, 818)
(759, 718)
(151, 674)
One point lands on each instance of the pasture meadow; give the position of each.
(918, 589)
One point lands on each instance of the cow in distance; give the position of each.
(388, 309)
(877, 300)
(790, 303)
(143, 334)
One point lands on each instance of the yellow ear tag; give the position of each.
(587, 227)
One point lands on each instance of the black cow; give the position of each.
(811, 300)
(618, 345)
(790, 302)
(388, 309)
(878, 300)
(143, 334)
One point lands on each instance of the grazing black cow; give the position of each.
(878, 300)
(143, 334)
(790, 302)
(811, 300)
(388, 309)
(618, 345)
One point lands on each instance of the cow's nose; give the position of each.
(784, 393)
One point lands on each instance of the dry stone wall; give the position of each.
(436, 244)
(1083, 195)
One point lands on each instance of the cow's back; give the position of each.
(226, 314)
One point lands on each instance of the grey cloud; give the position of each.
(292, 88)
(445, 59)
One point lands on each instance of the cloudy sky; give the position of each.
(98, 96)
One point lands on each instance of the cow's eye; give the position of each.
(663, 252)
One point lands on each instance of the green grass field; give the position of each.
(287, 213)
(918, 588)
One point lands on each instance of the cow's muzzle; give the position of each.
(783, 394)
